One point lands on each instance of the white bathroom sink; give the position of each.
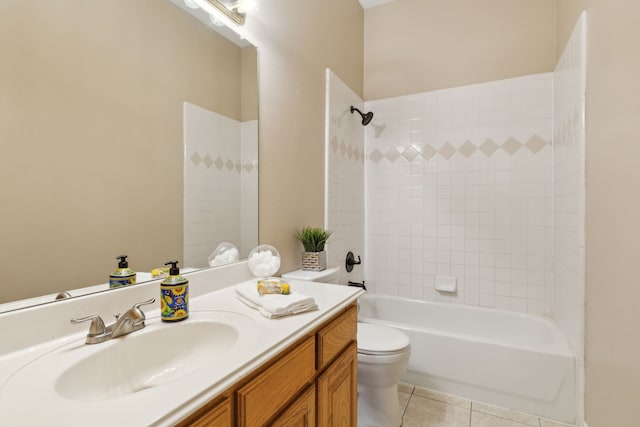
(141, 361)
(158, 357)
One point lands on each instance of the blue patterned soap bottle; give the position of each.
(174, 295)
(123, 275)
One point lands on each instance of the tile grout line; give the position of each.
(404, 411)
(538, 422)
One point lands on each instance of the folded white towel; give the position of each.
(275, 305)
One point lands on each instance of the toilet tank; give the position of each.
(329, 275)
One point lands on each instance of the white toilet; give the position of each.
(383, 356)
(329, 275)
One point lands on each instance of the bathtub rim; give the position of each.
(561, 339)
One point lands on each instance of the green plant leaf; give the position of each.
(313, 238)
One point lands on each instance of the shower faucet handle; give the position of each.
(350, 261)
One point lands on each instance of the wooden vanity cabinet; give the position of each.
(336, 335)
(301, 413)
(217, 413)
(338, 391)
(270, 391)
(313, 382)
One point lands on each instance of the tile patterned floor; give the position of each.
(428, 408)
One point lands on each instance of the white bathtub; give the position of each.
(514, 360)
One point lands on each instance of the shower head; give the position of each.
(366, 117)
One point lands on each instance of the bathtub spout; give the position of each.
(358, 285)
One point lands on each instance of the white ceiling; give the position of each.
(367, 4)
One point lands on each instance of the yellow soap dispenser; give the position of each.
(174, 295)
(123, 275)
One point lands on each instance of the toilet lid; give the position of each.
(377, 339)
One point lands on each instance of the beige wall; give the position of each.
(418, 45)
(613, 235)
(613, 213)
(91, 133)
(567, 16)
(249, 83)
(297, 40)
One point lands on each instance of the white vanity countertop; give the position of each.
(171, 402)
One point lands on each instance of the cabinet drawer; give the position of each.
(263, 397)
(338, 334)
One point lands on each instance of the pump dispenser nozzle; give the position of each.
(174, 270)
(123, 261)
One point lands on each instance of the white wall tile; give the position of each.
(344, 187)
(248, 187)
(482, 198)
(463, 203)
(212, 184)
(568, 196)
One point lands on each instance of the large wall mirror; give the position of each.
(127, 127)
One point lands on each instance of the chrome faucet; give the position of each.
(131, 321)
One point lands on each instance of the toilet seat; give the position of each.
(378, 340)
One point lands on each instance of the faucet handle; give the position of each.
(138, 305)
(136, 314)
(97, 331)
(97, 325)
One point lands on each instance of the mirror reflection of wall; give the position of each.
(220, 184)
(92, 131)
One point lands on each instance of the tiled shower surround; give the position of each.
(483, 182)
(459, 183)
(344, 177)
(486, 183)
(569, 196)
(220, 184)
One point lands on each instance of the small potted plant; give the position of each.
(314, 257)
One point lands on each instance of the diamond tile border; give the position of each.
(199, 160)
(376, 156)
(447, 151)
(488, 148)
(195, 159)
(349, 151)
(392, 155)
(467, 149)
(208, 161)
(412, 152)
(511, 146)
(427, 152)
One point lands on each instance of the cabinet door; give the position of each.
(337, 391)
(268, 393)
(302, 413)
(218, 415)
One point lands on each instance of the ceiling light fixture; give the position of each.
(231, 14)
